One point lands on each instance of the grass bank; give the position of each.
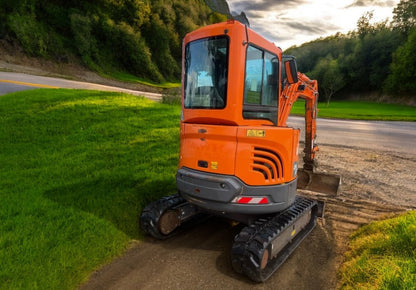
(382, 256)
(129, 78)
(360, 111)
(76, 167)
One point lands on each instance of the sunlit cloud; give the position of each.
(289, 23)
(373, 3)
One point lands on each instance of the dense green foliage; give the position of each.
(140, 37)
(76, 167)
(143, 38)
(375, 58)
(382, 255)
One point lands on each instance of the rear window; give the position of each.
(206, 71)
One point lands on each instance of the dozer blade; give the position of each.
(319, 182)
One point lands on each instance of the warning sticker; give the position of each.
(256, 133)
(214, 165)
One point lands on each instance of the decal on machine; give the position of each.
(214, 165)
(256, 133)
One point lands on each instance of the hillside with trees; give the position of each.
(375, 59)
(140, 37)
(143, 38)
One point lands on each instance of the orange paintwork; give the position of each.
(308, 90)
(213, 144)
(222, 141)
(275, 150)
(232, 113)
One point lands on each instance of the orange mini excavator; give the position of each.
(238, 158)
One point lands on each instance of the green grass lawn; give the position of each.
(382, 256)
(76, 167)
(360, 111)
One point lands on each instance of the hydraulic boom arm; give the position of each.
(306, 89)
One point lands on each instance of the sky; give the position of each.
(293, 22)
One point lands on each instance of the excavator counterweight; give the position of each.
(238, 158)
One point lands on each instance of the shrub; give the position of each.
(31, 34)
(81, 29)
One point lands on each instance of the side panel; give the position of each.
(266, 155)
(208, 148)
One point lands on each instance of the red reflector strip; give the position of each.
(251, 200)
(244, 200)
(264, 200)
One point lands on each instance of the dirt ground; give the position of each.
(374, 185)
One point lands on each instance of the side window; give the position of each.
(270, 80)
(261, 85)
(254, 76)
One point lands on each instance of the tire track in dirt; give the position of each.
(375, 185)
(343, 215)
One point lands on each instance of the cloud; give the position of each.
(266, 33)
(372, 3)
(305, 27)
(264, 5)
(289, 30)
(254, 14)
(292, 22)
(308, 27)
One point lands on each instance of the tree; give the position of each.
(139, 37)
(402, 81)
(364, 26)
(329, 76)
(404, 16)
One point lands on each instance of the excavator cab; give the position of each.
(237, 155)
(233, 156)
(238, 158)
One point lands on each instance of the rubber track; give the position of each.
(250, 244)
(151, 214)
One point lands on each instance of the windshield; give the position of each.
(206, 70)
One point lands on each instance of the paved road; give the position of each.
(377, 135)
(6, 88)
(10, 82)
(386, 136)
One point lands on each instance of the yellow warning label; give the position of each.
(256, 133)
(293, 233)
(214, 165)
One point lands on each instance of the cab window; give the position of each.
(206, 72)
(261, 85)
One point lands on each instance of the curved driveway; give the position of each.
(385, 136)
(10, 81)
